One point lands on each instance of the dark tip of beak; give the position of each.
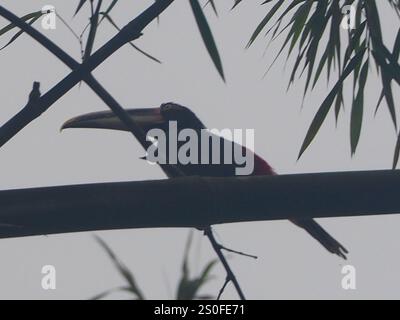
(90, 120)
(71, 123)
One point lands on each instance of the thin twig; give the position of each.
(67, 25)
(221, 291)
(240, 253)
(230, 276)
(81, 40)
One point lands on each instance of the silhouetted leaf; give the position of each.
(326, 105)
(187, 287)
(386, 82)
(19, 33)
(236, 4)
(207, 36)
(80, 5)
(264, 22)
(214, 7)
(358, 110)
(26, 17)
(108, 10)
(128, 276)
(396, 153)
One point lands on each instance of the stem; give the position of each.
(230, 276)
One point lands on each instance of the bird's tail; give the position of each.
(323, 237)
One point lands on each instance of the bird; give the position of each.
(160, 118)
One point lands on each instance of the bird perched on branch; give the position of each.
(160, 118)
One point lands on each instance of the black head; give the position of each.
(182, 115)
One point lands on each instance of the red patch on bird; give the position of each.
(261, 167)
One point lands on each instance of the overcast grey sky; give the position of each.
(291, 264)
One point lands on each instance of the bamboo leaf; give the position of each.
(19, 33)
(358, 110)
(207, 36)
(236, 4)
(327, 103)
(122, 269)
(264, 22)
(187, 287)
(108, 292)
(108, 10)
(396, 153)
(214, 7)
(80, 5)
(26, 17)
(386, 82)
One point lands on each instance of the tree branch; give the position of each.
(166, 203)
(80, 71)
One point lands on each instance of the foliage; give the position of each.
(188, 288)
(313, 26)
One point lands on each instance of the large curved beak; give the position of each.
(146, 118)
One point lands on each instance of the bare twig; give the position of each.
(240, 253)
(230, 276)
(221, 291)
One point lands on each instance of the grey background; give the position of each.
(291, 264)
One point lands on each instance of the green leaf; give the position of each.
(358, 109)
(80, 5)
(108, 11)
(122, 269)
(26, 17)
(214, 7)
(386, 82)
(19, 33)
(207, 36)
(396, 153)
(338, 103)
(187, 287)
(236, 4)
(327, 103)
(264, 22)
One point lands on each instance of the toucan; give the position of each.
(160, 118)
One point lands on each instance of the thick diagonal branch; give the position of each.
(80, 71)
